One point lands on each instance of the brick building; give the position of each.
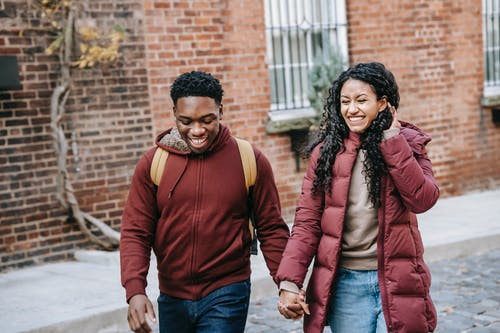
(435, 48)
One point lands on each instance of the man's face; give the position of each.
(198, 120)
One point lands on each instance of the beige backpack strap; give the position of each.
(158, 165)
(250, 171)
(248, 160)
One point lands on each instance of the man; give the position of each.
(196, 220)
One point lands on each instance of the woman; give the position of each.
(368, 175)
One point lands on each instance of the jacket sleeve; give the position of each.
(137, 229)
(411, 170)
(306, 232)
(272, 231)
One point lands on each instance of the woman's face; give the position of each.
(359, 105)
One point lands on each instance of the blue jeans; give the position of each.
(355, 304)
(223, 310)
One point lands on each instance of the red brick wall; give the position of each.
(433, 47)
(435, 50)
(107, 112)
(226, 38)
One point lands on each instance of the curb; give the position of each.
(463, 248)
(106, 322)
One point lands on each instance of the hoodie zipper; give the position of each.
(194, 223)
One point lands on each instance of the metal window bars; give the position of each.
(491, 44)
(298, 32)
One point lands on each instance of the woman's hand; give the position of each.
(394, 112)
(292, 305)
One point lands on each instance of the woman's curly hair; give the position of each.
(333, 128)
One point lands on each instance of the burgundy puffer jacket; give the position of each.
(404, 278)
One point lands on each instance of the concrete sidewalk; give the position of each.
(86, 295)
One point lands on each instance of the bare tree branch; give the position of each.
(65, 193)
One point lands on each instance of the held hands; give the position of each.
(292, 305)
(394, 112)
(139, 306)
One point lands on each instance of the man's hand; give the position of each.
(292, 305)
(139, 306)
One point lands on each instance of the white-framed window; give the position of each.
(491, 47)
(297, 33)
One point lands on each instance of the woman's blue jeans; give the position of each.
(355, 304)
(223, 310)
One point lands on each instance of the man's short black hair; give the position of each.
(196, 83)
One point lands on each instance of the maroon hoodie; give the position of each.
(196, 220)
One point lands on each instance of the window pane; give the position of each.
(298, 31)
(491, 43)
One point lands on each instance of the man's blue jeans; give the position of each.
(222, 311)
(355, 304)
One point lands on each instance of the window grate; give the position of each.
(491, 44)
(297, 33)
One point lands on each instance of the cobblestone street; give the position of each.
(466, 292)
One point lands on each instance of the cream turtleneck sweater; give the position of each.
(359, 239)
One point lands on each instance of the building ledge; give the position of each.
(491, 97)
(283, 121)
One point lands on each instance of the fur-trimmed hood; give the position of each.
(172, 141)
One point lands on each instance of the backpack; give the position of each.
(249, 169)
